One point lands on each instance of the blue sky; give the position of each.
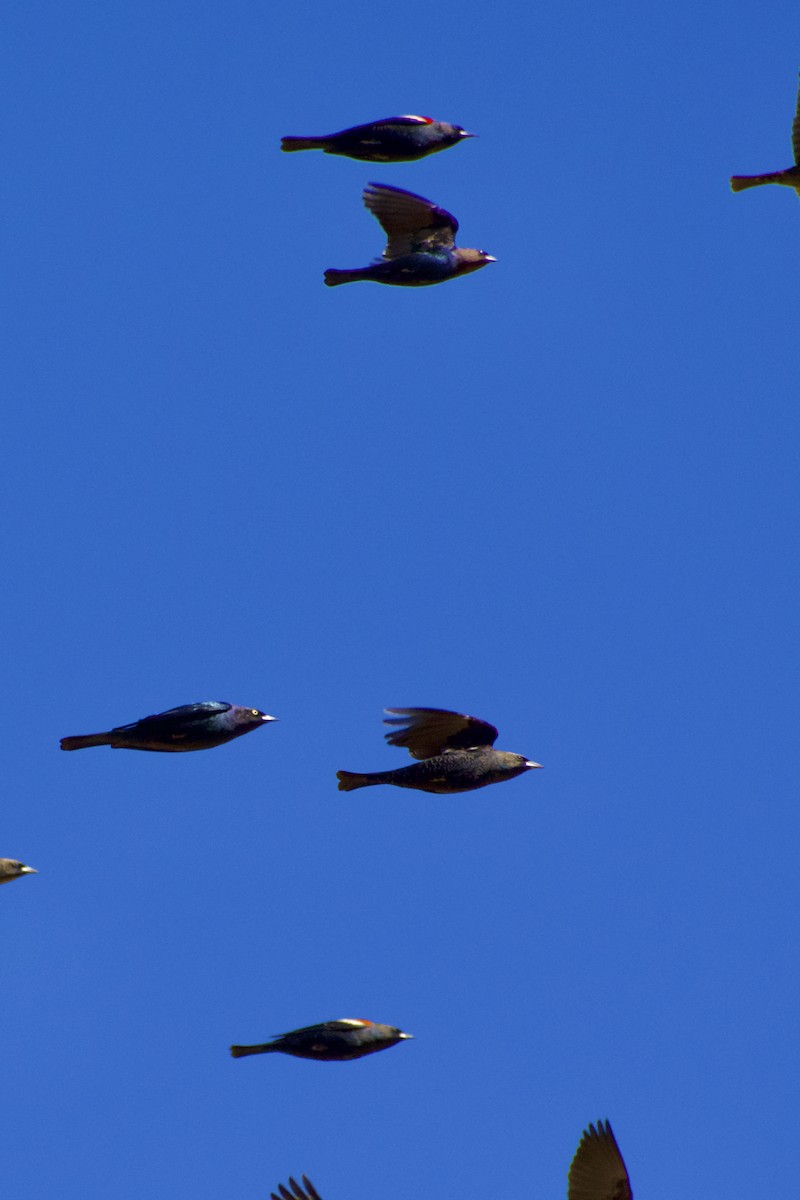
(560, 494)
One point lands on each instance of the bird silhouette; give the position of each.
(789, 178)
(421, 247)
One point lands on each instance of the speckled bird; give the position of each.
(390, 140)
(421, 247)
(189, 727)
(456, 753)
(332, 1041)
(789, 178)
(598, 1171)
(10, 869)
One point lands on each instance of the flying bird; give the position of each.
(189, 727)
(332, 1041)
(11, 869)
(455, 751)
(421, 247)
(393, 139)
(295, 1192)
(597, 1171)
(790, 177)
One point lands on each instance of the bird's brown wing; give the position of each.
(410, 222)
(597, 1171)
(796, 131)
(428, 731)
(295, 1192)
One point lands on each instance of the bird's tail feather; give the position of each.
(350, 780)
(740, 182)
(333, 277)
(303, 143)
(243, 1051)
(87, 739)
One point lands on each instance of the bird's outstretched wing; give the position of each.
(295, 1191)
(410, 222)
(428, 731)
(598, 1171)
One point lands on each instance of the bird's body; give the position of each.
(331, 1041)
(455, 751)
(392, 139)
(188, 727)
(420, 249)
(598, 1171)
(410, 270)
(454, 771)
(788, 178)
(11, 868)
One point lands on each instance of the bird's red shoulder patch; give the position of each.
(421, 120)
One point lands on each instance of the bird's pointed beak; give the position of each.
(266, 717)
(406, 1036)
(29, 871)
(489, 258)
(530, 763)
(465, 134)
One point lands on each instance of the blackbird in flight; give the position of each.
(190, 727)
(456, 753)
(393, 139)
(421, 247)
(332, 1041)
(790, 177)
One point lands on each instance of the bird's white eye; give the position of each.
(255, 712)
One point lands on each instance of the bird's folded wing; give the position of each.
(173, 718)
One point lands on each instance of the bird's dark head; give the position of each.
(472, 260)
(392, 1033)
(11, 868)
(251, 717)
(516, 762)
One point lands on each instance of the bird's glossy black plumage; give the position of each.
(331, 1041)
(420, 248)
(392, 139)
(455, 751)
(188, 727)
